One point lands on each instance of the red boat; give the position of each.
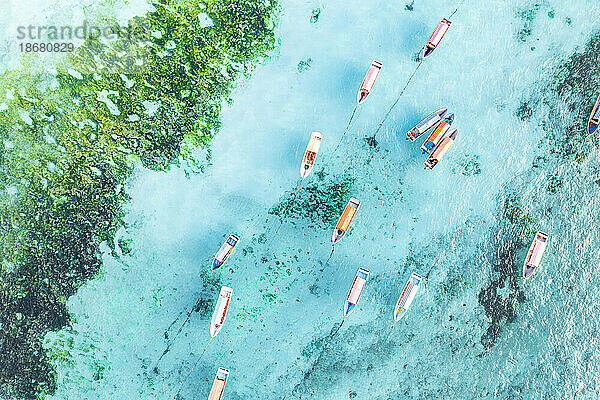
(436, 37)
(369, 81)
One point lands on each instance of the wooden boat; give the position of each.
(437, 135)
(436, 37)
(441, 150)
(355, 290)
(534, 255)
(407, 296)
(594, 120)
(218, 317)
(346, 218)
(426, 124)
(219, 384)
(225, 251)
(369, 81)
(311, 153)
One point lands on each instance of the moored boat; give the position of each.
(426, 124)
(441, 150)
(594, 120)
(345, 219)
(219, 384)
(436, 37)
(534, 255)
(355, 290)
(221, 308)
(437, 135)
(310, 155)
(407, 296)
(369, 81)
(225, 251)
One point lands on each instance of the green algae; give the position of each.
(321, 202)
(76, 131)
(314, 18)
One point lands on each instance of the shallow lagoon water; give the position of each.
(446, 224)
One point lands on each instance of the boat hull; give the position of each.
(224, 252)
(345, 219)
(216, 392)
(310, 155)
(535, 253)
(437, 135)
(436, 37)
(441, 150)
(355, 290)
(407, 296)
(368, 82)
(220, 312)
(594, 120)
(426, 124)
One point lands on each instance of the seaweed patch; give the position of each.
(321, 202)
(74, 135)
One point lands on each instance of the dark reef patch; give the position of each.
(321, 202)
(468, 165)
(304, 65)
(500, 296)
(528, 17)
(74, 137)
(573, 88)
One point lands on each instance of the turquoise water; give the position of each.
(531, 340)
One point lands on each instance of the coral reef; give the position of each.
(71, 137)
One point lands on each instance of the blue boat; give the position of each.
(225, 251)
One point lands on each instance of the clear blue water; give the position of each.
(443, 224)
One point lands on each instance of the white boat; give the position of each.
(369, 81)
(219, 384)
(311, 154)
(221, 308)
(345, 219)
(426, 124)
(407, 296)
(535, 253)
(225, 251)
(356, 290)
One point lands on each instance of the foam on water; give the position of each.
(443, 224)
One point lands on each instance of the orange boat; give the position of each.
(344, 222)
(436, 37)
(441, 149)
(219, 384)
(369, 81)
(312, 149)
(437, 135)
